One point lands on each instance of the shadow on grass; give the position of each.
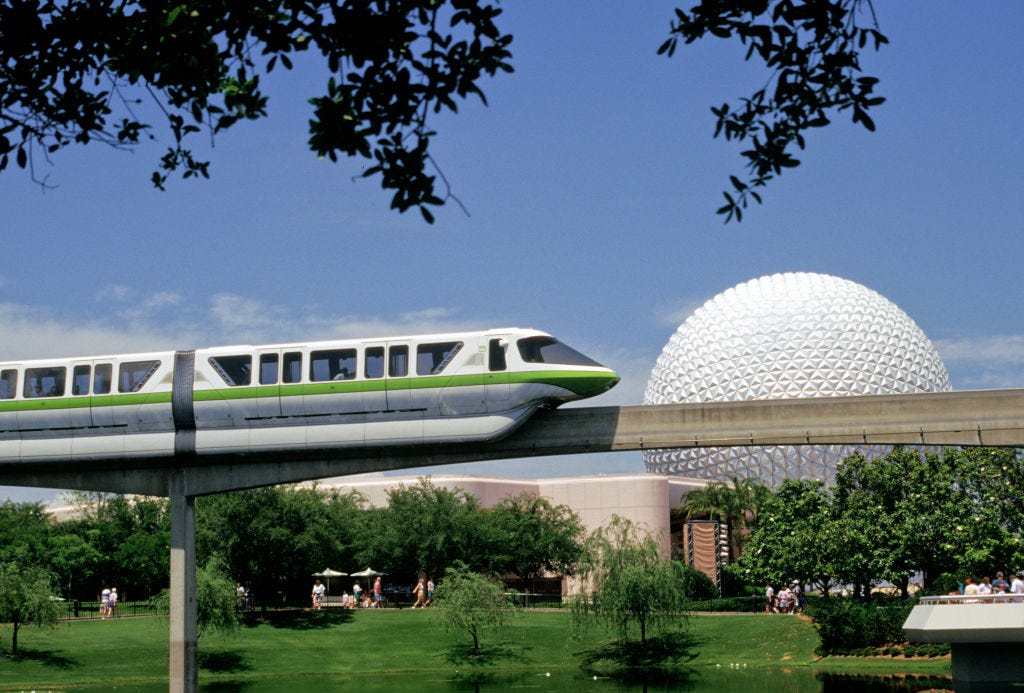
(491, 654)
(223, 661)
(660, 659)
(45, 657)
(300, 620)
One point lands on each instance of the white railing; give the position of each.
(1000, 597)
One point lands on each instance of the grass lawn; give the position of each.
(296, 646)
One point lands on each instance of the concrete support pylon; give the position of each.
(184, 669)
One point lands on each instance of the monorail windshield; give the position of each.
(550, 350)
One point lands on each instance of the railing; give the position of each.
(527, 600)
(1000, 597)
(76, 609)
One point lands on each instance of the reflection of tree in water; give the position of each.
(854, 683)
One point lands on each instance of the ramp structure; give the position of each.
(985, 632)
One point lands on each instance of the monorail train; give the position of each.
(459, 387)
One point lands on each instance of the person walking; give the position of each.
(318, 594)
(420, 590)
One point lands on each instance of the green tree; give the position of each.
(87, 70)
(531, 537)
(811, 50)
(425, 529)
(129, 538)
(74, 562)
(25, 529)
(630, 582)
(215, 598)
(956, 512)
(469, 602)
(276, 537)
(735, 504)
(26, 596)
(793, 539)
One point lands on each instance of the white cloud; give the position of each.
(997, 349)
(673, 313)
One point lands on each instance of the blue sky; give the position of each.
(591, 181)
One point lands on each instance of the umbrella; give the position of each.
(329, 573)
(369, 572)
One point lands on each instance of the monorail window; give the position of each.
(550, 350)
(268, 369)
(332, 364)
(236, 370)
(102, 378)
(398, 361)
(80, 380)
(8, 383)
(133, 375)
(496, 355)
(292, 372)
(431, 359)
(45, 382)
(373, 362)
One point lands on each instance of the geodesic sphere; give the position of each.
(787, 336)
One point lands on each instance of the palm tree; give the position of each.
(734, 505)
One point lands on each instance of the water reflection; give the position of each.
(695, 680)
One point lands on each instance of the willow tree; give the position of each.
(630, 583)
(26, 596)
(473, 603)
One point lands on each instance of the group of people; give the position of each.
(997, 586)
(359, 599)
(108, 602)
(788, 600)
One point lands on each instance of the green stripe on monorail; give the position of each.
(582, 383)
(113, 400)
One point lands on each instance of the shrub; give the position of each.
(697, 585)
(846, 626)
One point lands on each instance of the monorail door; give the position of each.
(375, 397)
(496, 378)
(398, 381)
(268, 400)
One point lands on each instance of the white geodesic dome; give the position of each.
(785, 336)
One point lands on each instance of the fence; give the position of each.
(76, 609)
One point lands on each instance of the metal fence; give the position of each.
(76, 609)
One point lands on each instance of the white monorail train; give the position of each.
(458, 387)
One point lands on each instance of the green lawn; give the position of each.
(300, 646)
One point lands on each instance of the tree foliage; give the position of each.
(886, 518)
(811, 51)
(89, 70)
(276, 537)
(425, 529)
(629, 581)
(114, 541)
(473, 603)
(26, 596)
(531, 537)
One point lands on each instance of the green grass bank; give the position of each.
(295, 646)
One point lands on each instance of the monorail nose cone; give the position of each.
(600, 383)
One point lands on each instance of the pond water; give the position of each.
(697, 680)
